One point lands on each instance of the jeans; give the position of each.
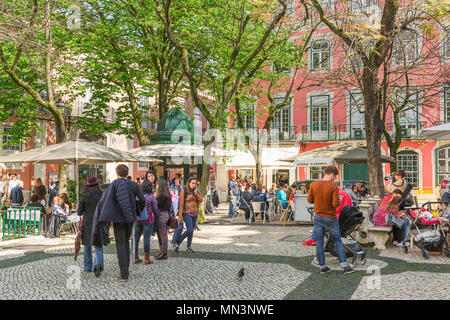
(122, 234)
(177, 232)
(190, 222)
(332, 226)
(140, 228)
(162, 231)
(88, 266)
(400, 234)
(233, 203)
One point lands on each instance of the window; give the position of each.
(406, 48)
(410, 115)
(446, 43)
(290, 7)
(278, 68)
(447, 104)
(144, 101)
(320, 55)
(316, 173)
(282, 118)
(408, 161)
(362, 6)
(326, 4)
(443, 164)
(320, 108)
(7, 147)
(356, 109)
(143, 165)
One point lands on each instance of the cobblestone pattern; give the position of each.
(408, 285)
(175, 278)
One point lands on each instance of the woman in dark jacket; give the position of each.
(245, 203)
(88, 204)
(164, 203)
(39, 190)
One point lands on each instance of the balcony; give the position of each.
(278, 133)
(334, 132)
(339, 132)
(409, 129)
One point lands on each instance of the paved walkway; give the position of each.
(276, 266)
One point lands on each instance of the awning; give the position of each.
(270, 159)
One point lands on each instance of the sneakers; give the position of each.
(310, 243)
(348, 270)
(190, 250)
(325, 270)
(398, 244)
(316, 261)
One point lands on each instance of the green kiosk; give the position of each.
(175, 132)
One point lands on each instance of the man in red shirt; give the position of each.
(325, 196)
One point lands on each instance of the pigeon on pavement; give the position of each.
(241, 274)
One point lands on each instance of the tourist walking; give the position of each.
(175, 205)
(120, 204)
(86, 209)
(144, 224)
(324, 194)
(188, 212)
(233, 193)
(164, 203)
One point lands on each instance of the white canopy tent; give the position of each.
(440, 132)
(339, 153)
(270, 159)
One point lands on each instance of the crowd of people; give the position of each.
(147, 206)
(242, 192)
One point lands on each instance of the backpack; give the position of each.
(144, 214)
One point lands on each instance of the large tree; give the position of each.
(274, 85)
(230, 39)
(372, 43)
(126, 56)
(34, 66)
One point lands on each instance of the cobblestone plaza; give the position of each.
(276, 264)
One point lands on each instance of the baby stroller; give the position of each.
(349, 220)
(428, 235)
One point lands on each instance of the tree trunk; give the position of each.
(374, 131)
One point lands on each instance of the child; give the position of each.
(393, 206)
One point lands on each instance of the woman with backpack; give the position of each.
(164, 203)
(144, 224)
(188, 210)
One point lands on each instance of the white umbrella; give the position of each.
(338, 153)
(74, 153)
(178, 150)
(440, 132)
(270, 159)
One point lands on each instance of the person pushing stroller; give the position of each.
(324, 194)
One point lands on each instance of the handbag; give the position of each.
(391, 220)
(172, 223)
